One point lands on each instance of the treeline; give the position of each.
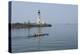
(28, 25)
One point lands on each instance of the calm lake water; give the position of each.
(61, 36)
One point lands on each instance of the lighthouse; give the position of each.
(39, 20)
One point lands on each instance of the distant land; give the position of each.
(28, 25)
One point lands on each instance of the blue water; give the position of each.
(61, 36)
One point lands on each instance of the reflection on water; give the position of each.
(37, 34)
(60, 36)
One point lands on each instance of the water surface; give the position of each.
(61, 36)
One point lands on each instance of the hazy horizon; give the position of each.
(50, 13)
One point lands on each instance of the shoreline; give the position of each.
(28, 25)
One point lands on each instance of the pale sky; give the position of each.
(50, 13)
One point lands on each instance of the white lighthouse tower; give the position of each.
(39, 20)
